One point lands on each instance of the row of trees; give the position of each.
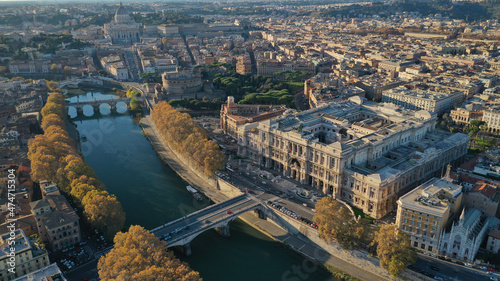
(271, 97)
(53, 86)
(187, 138)
(196, 104)
(139, 255)
(393, 247)
(53, 157)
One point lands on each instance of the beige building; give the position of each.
(493, 243)
(28, 256)
(375, 84)
(46, 273)
(425, 211)
(233, 115)
(464, 116)
(327, 87)
(115, 65)
(244, 66)
(492, 118)
(435, 99)
(362, 152)
(57, 222)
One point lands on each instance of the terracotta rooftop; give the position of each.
(486, 189)
(495, 234)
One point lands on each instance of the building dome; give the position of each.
(121, 15)
(121, 10)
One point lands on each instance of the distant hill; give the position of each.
(468, 11)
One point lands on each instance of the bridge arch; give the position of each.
(119, 105)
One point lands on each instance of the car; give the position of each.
(434, 268)
(493, 278)
(187, 227)
(438, 278)
(229, 212)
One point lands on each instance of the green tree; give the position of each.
(132, 93)
(135, 104)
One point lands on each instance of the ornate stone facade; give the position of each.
(123, 29)
(465, 236)
(362, 152)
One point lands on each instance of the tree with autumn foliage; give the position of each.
(105, 213)
(187, 138)
(52, 120)
(54, 158)
(394, 249)
(139, 255)
(335, 223)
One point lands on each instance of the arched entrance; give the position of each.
(295, 169)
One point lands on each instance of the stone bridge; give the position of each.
(97, 103)
(74, 82)
(179, 233)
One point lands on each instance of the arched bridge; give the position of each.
(97, 103)
(182, 231)
(76, 81)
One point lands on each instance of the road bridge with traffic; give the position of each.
(179, 233)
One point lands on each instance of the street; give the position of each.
(449, 270)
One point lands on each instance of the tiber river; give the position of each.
(152, 194)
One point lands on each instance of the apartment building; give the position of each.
(426, 210)
(327, 87)
(492, 118)
(432, 99)
(57, 222)
(375, 84)
(28, 256)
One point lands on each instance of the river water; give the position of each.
(152, 194)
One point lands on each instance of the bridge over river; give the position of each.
(182, 231)
(96, 104)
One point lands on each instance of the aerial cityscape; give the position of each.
(250, 140)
